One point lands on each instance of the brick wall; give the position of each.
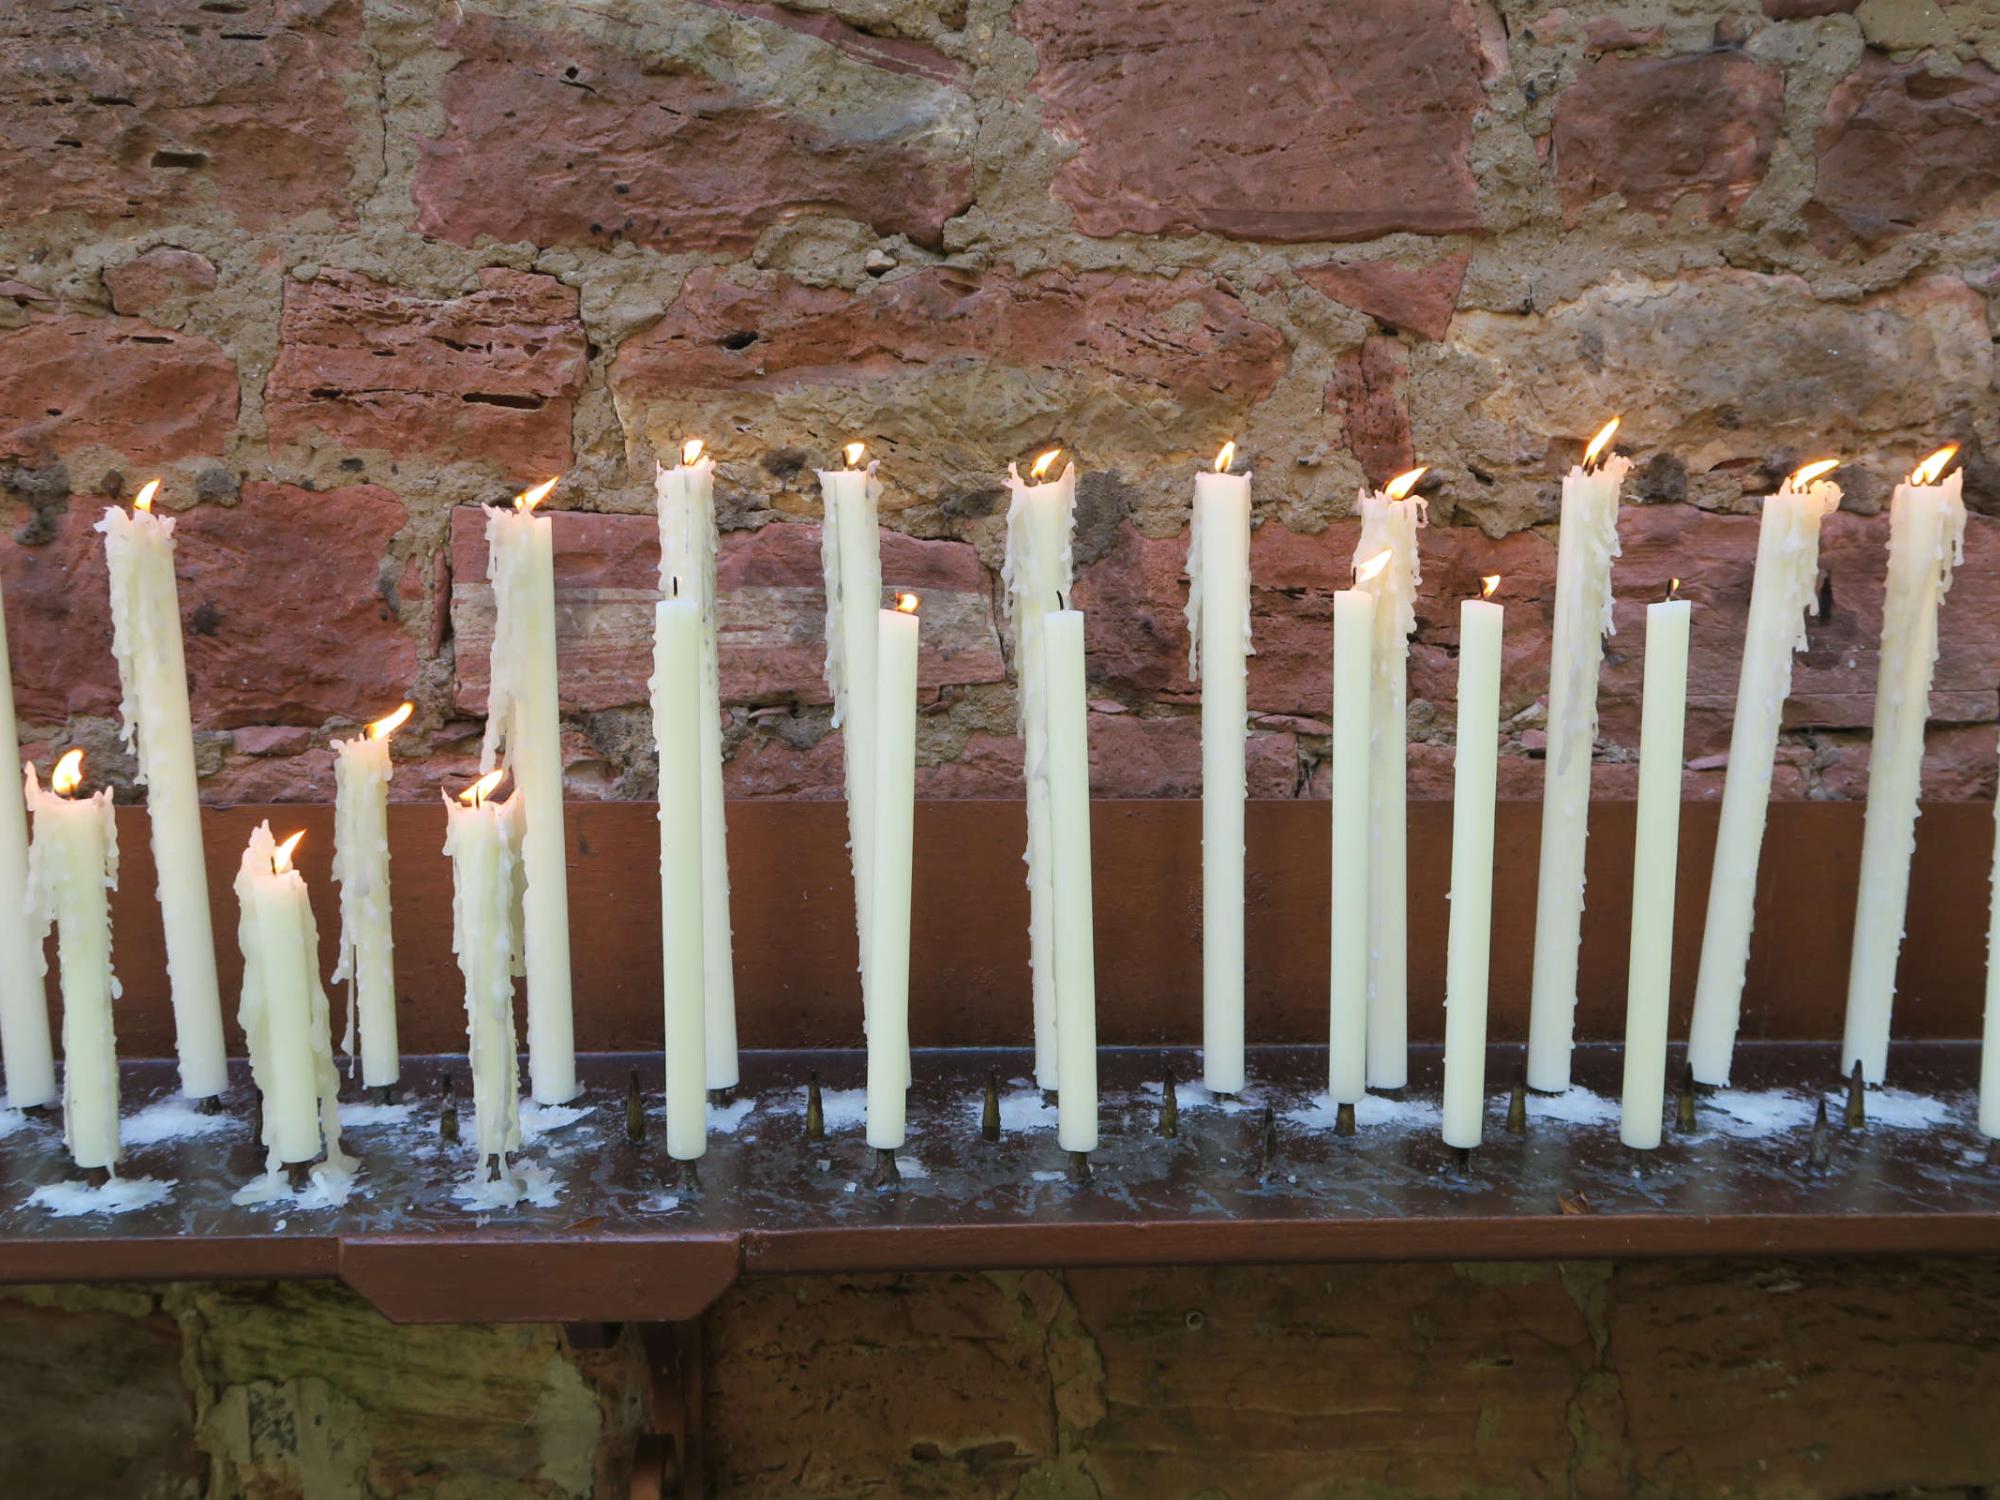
(340, 270)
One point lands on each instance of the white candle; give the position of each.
(1655, 858)
(1074, 942)
(1035, 576)
(361, 772)
(284, 1011)
(1989, 1049)
(686, 496)
(1218, 616)
(1926, 541)
(1783, 591)
(677, 709)
(1469, 942)
(1588, 543)
(1353, 697)
(1389, 521)
(74, 861)
(483, 839)
(25, 1050)
(522, 715)
(152, 675)
(894, 802)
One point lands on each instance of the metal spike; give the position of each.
(384, 1094)
(1517, 1108)
(212, 1105)
(448, 1113)
(1464, 1156)
(688, 1177)
(299, 1175)
(815, 1115)
(635, 1112)
(1684, 1106)
(1079, 1168)
(989, 1115)
(1267, 1146)
(1818, 1144)
(722, 1098)
(1170, 1107)
(1857, 1100)
(885, 1173)
(1993, 1152)
(494, 1170)
(97, 1177)
(257, 1115)
(1343, 1120)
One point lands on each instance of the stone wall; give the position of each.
(341, 270)
(1772, 1380)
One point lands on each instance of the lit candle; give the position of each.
(1353, 701)
(361, 773)
(686, 497)
(152, 676)
(1588, 543)
(483, 839)
(1655, 858)
(894, 802)
(1926, 541)
(74, 861)
(1390, 517)
(1218, 616)
(1073, 940)
(1783, 591)
(677, 707)
(284, 1012)
(25, 1050)
(522, 716)
(1469, 941)
(1989, 1049)
(1037, 570)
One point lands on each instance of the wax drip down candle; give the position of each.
(1469, 939)
(72, 863)
(1390, 518)
(26, 1050)
(522, 717)
(483, 840)
(895, 813)
(1354, 611)
(361, 772)
(1074, 941)
(157, 727)
(1040, 518)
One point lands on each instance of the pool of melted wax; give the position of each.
(761, 1173)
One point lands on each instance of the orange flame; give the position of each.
(281, 857)
(1369, 571)
(1673, 588)
(1225, 458)
(528, 499)
(690, 451)
(1043, 464)
(383, 727)
(906, 604)
(853, 453)
(481, 789)
(68, 774)
(1814, 470)
(1599, 443)
(144, 499)
(1399, 488)
(1489, 585)
(1931, 470)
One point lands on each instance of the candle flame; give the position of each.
(1489, 585)
(144, 499)
(1370, 570)
(853, 453)
(907, 604)
(1673, 588)
(68, 774)
(281, 857)
(1399, 488)
(1599, 443)
(382, 728)
(528, 499)
(481, 789)
(1931, 470)
(690, 451)
(1043, 464)
(1810, 472)
(1225, 457)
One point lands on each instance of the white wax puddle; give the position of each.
(1197, 1096)
(171, 1119)
(1374, 1111)
(911, 1168)
(1901, 1110)
(525, 1183)
(1020, 1111)
(328, 1186)
(66, 1200)
(843, 1109)
(724, 1118)
(366, 1113)
(538, 1120)
(1751, 1116)
(1050, 1176)
(1573, 1107)
(660, 1203)
(11, 1120)
(848, 1187)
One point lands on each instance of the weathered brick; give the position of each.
(1420, 299)
(1366, 394)
(70, 382)
(162, 275)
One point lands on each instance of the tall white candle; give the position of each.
(361, 772)
(1783, 591)
(25, 1050)
(1218, 616)
(1034, 578)
(1655, 859)
(686, 496)
(284, 1014)
(1926, 541)
(482, 839)
(1353, 701)
(677, 708)
(1588, 543)
(521, 714)
(152, 675)
(1390, 517)
(1074, 941)
(1989, 1048)
(73, 863)
(1469, 941)
(894, 804)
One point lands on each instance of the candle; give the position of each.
(1989, 1049)
(1783, 590)
(25, 1050)
(1588, 543)
(1469, 941)
(686, 496)
(1218, 616)
(152, 677)
(677, 710)
(521, 715)
(1389, 521)
(361, 864)
(483, 839)
(1068, 771)
(894, 802)
(1926, 541)
(1353, 698)
(1036, 573)
(1655, 856)
(284, 1011)
(73, 862)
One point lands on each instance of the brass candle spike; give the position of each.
(722, 1098)
(989, 1114)
(635, 1111)
(1819, 1143)
(97, 1177)
(298, 1174)
(1079, 1168)
(1857, 1100)
(212, 1105)
(885, 1173)
(1463, 1154)
(1267, 1145)
(1684, 1106)
(687, 1177)
(257, 1115)
(383, 1094)
(1170, 1108)
(1343, 1120)
(1517, 1108)
(494, 1170)
(448, 1112)
(815, 1114)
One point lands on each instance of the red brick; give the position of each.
(1366, 393)
(1654, 129)
(620, 145)
(69, 382)
(1132, 756)
(1420, 299)
(162, 275)
(892, 54)
(1801, 10)
(491, 375)
(1261, 119)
